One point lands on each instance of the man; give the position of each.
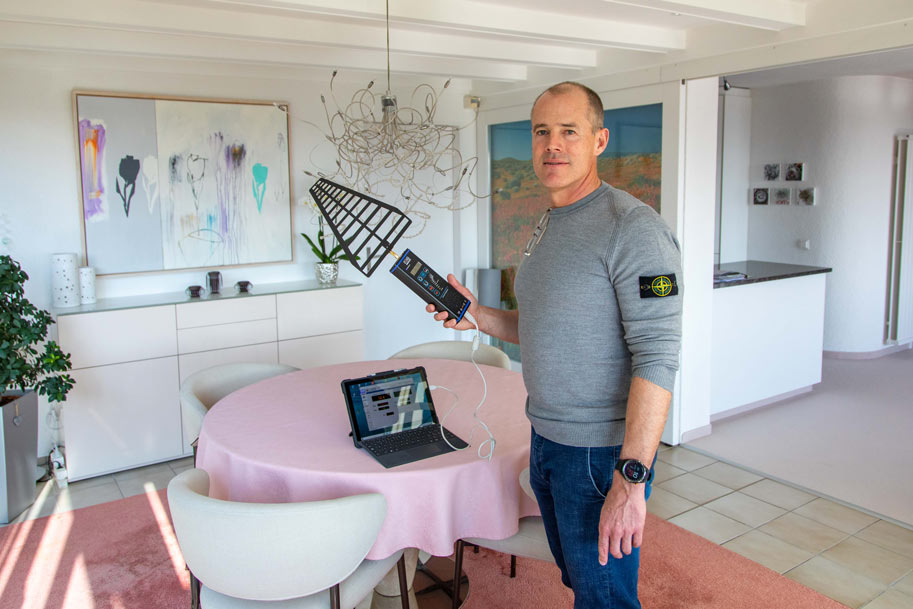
(599, 327)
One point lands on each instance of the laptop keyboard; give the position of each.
(403, 440)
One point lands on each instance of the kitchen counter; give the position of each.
(768, 334)
(757, 271)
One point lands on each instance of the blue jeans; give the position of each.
(570, 483)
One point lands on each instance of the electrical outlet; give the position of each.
(472, 102)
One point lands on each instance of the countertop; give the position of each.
(756, 271)
(228, 293)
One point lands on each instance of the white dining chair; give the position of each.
(529, 541)
(456, 349)
(307, 555)
(201, 390)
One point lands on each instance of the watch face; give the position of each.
(634, 471)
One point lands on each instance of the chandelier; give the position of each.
(381, 144)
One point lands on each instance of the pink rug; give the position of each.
(123, 555)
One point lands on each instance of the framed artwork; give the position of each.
(795, 172)
(771, 171)
(781, 196)
(175, 183)
(760, 196)
(806, 196)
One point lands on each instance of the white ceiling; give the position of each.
(498, 44)
(888, 63)
(500, 40)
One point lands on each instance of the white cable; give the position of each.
(490, 442)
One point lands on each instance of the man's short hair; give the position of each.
(597, 115)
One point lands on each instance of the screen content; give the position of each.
(390, 404)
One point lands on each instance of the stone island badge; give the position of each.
(658, 286)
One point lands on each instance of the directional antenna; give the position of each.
(367, 228)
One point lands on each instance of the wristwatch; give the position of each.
(634, 471)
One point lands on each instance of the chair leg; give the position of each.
(513, 566)
(194, 590)
(334, 597)
(403, 582)
(457, 573)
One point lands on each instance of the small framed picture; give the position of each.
(771, 171)
(806, 196)
(795, 172)
(760, 196)
(781, 196)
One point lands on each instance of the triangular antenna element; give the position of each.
(367, 228)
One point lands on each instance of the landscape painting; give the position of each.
(173, 184)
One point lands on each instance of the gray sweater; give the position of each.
(600, 301)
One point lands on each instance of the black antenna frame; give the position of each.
(351, 214)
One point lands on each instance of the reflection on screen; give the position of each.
(391, 405)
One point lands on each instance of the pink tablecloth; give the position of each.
(286, 439)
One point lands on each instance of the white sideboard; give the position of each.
(130, 356)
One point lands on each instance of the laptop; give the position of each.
(393, 417)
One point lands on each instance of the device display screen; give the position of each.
(390, 403)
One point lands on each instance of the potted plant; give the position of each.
(327, 267)
(27, 368)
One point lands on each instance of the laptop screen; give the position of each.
(389, 402)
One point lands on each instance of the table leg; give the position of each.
(433, 578)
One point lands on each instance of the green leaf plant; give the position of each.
(27, 360)
(320, 247)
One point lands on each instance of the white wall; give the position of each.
(40, 203)
(843, 130)
(733, 163)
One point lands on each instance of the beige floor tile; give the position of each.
(664, 504)
(89, 482)
(870, 560)
(890, 536)
(803, 532)
(745, 509)
(780, 495)
(694, 488)
(769, 551)
(905, 585)
(143, 472)
(727, 475)
(178, 469)
(891, 600)
(179, 465)
(662, 448)
(836, 515)
(684, 458)
(72, 499)
(836, 582)
(710, 525)
(151, 481)
(662, 471)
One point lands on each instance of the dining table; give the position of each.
(288, 439)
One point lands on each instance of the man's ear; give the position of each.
(602, 140)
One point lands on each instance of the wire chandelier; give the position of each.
(401, 147)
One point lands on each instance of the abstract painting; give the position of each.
(806, 196)
(795, 172)
(781, 196)
(760, 196)
(771, 171)
(174, 184)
